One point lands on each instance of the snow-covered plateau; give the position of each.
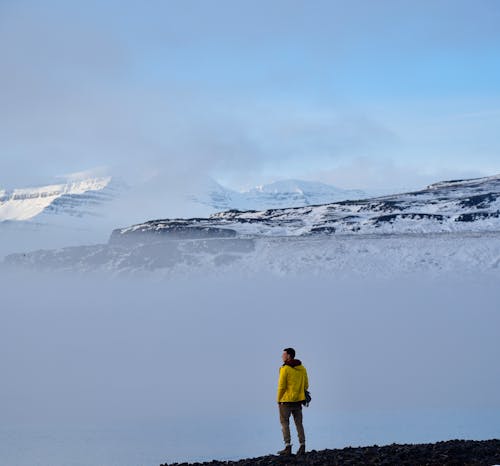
(452, 206)
(451, 226)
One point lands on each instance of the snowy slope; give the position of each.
(452, 206)
(77, 198)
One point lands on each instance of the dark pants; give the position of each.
(294, 409)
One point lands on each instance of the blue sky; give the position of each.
(361, 94)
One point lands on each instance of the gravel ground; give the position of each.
(452, 453)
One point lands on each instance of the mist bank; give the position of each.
(185, 369)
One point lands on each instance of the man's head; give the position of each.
(288, 354)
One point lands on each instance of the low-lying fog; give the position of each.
(133, 372)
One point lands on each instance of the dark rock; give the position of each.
(169, 231)
(323, 230)
(481, 201)
(445, 453)
(473, 216)
(413, 216)
(383, 206)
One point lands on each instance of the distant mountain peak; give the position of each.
(278, 194)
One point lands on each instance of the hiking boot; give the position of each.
(287, 451)
(301, 450)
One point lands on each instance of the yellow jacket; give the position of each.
(292, 382)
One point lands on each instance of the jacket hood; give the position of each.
(293, 363)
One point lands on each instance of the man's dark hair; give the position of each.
(290, 351)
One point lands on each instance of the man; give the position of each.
(292, 385)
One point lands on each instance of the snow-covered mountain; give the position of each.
(280, 194)
(462, 205)
(448, 226)
(74, 198)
